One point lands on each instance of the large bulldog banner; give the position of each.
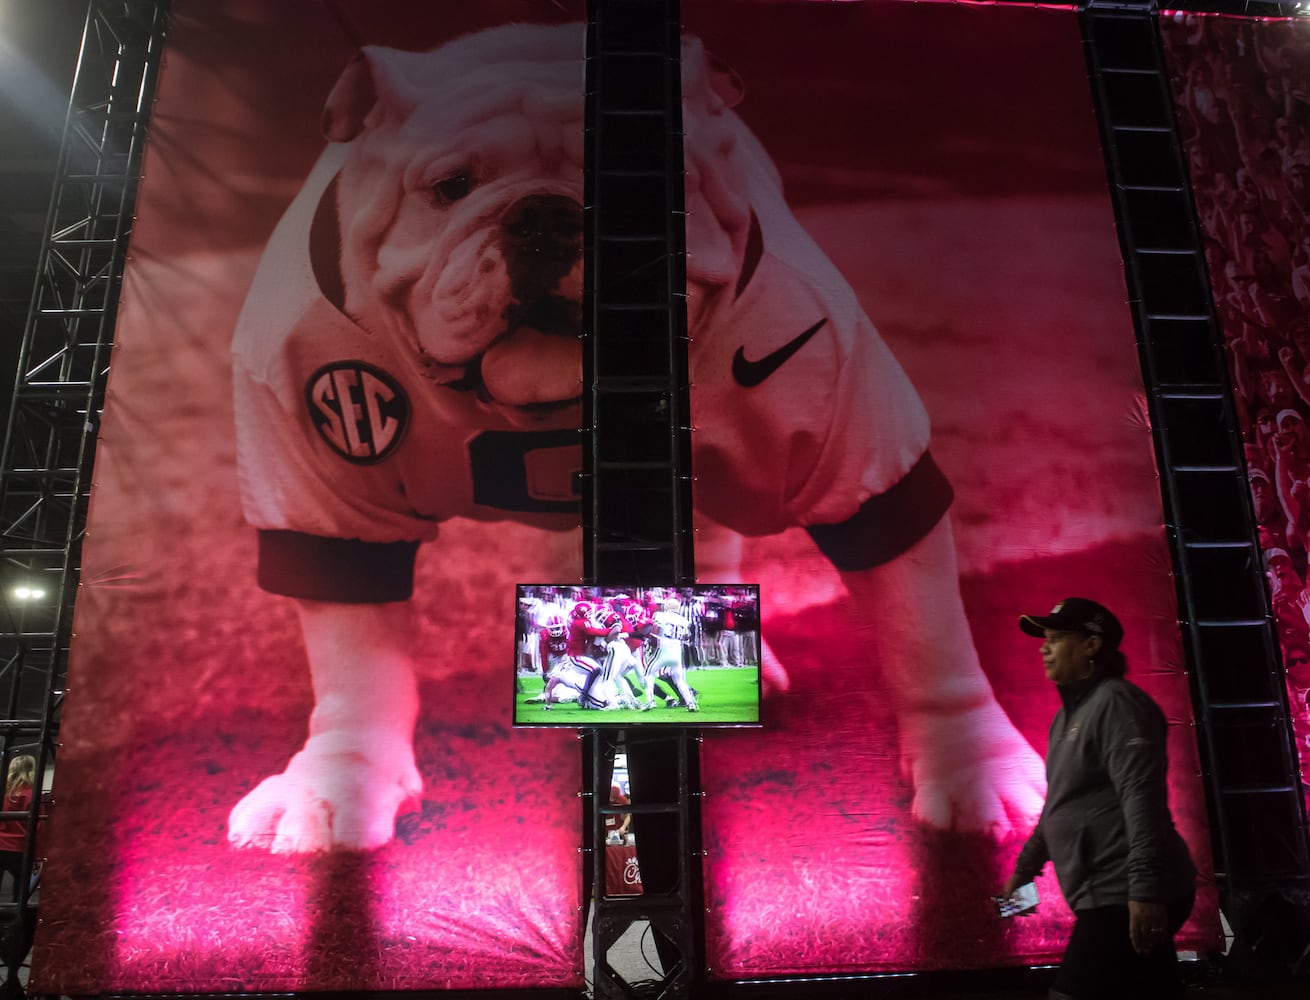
(918, 415)
(341, 423)
(1242, 99)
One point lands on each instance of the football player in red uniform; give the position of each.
(566, 674)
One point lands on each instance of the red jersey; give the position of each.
(552, 648)
(581, 634)
(12, 831)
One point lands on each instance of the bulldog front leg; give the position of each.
(971, 769)
(356, 771)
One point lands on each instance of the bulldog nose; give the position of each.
(544, 224)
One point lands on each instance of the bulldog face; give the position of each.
(460, 208)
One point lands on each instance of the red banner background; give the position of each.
(959, 189)
(188, 684)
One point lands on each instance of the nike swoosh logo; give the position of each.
(751, 373)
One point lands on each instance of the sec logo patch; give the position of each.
(360, 411)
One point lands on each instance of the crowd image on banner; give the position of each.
(1242, 91)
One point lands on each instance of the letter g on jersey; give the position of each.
(360, 411)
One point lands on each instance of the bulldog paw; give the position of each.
(972, 771)
(328, 796)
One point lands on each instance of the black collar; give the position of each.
(1074, 694)
(325, 247)
(751, 258)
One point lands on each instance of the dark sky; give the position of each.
(39, 42)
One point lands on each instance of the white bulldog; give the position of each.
(408, 353)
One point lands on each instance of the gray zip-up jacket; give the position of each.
(1106, 824)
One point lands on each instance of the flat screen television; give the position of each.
(628, 657)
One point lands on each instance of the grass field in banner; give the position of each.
(728, 695)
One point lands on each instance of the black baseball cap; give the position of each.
(1076, 614)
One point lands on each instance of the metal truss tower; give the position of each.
(49, 442)
(636, 465)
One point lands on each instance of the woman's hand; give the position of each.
(1148, 925)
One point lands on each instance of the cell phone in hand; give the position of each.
(1022, 900)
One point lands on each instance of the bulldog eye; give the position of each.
(453, 188)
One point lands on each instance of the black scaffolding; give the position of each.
(636, 466)
(49, 445)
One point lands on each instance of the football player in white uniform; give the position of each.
(663, 656)
(606, 688)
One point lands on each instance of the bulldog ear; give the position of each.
(725, 81)
(373, 79)
(705, 73)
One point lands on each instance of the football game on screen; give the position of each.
(615, 656)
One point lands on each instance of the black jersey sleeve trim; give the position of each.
(345, 570)
(889, 524)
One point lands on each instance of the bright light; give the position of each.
(31, 91)
(29, 593)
